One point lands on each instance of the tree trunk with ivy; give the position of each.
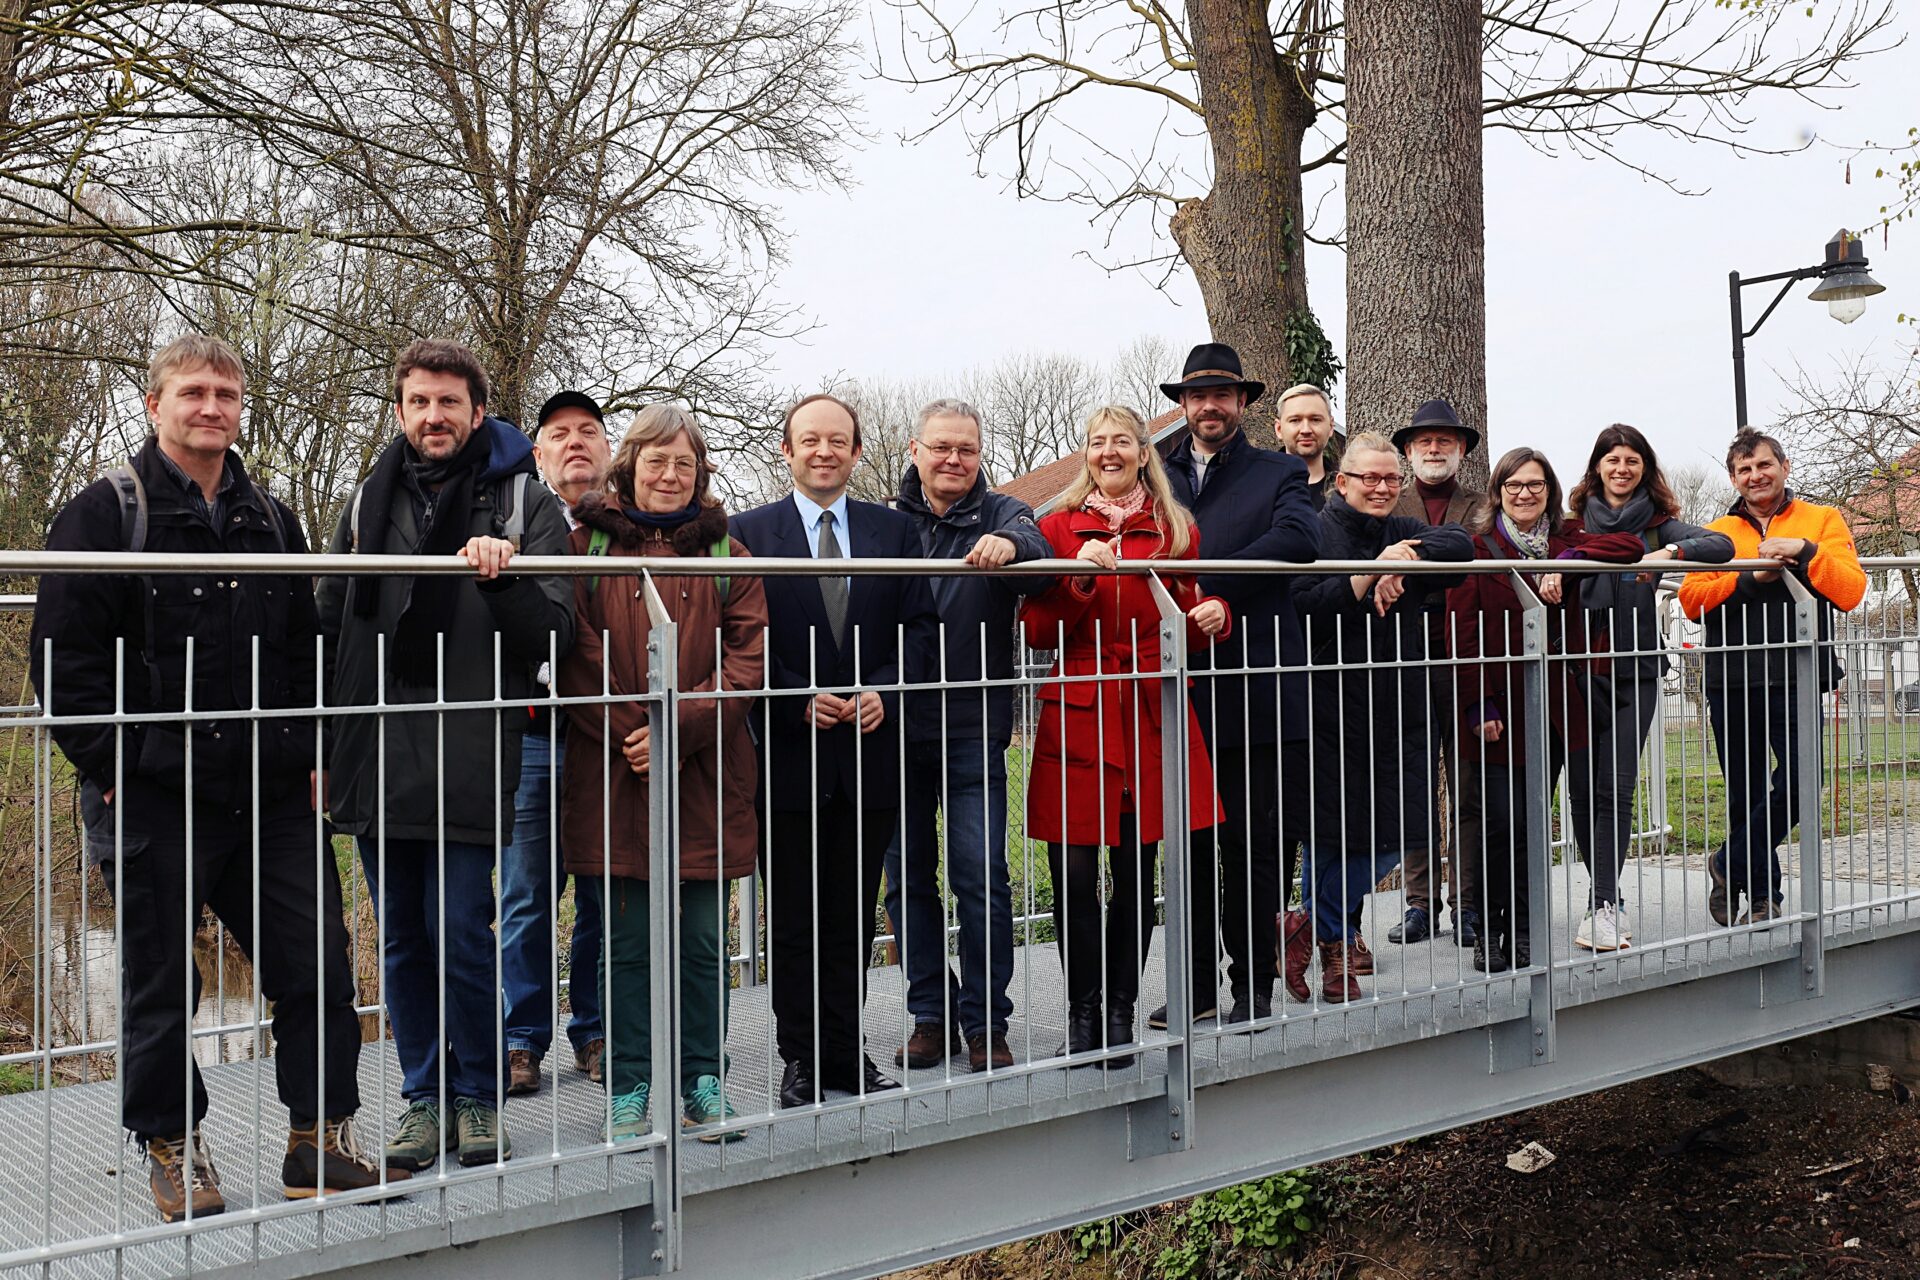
(1243, 239)
(1416, 222)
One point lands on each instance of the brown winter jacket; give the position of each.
(718, 830)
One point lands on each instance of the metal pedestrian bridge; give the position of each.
(957, 1161)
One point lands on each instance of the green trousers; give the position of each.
(627, 1002)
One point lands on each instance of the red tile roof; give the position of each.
(1038, 488)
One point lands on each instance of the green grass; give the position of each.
(15, 1079)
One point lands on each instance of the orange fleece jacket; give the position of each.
(1833, 569)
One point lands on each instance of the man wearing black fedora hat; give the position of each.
(1250, 504)
(1435, 445)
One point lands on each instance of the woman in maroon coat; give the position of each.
(1521, 518)
(1096, 755)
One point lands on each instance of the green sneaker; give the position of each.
(481, 1132)
(417, 1142)
(630, 1114)
(707, 1104)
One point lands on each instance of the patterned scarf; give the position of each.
(1117, 511)
(1533, 546)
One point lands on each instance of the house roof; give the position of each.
(1040, 487)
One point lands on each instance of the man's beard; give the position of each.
(1212, 422)
(1435, 472)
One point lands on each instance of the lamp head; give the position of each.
(1844, 283)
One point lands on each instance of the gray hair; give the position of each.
(1370, 442)
(949, 407)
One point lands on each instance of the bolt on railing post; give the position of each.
(663, 918)
(1539, 843)
(1175, 794)
(1807, 734)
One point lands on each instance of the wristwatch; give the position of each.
(1674, 547)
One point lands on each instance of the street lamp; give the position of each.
(1844, 286)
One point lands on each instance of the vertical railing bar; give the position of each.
(1535, 674)
(1809, 737)
(663, 906)
(1175, 799)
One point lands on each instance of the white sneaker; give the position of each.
(1602, 930)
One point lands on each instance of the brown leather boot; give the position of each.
(1337, 982)
(928, 1046)
(1362, 961)
(523, 1072)
(167, 1173)
(985, 1047)
(1295, 930)
(588, 1059)
(346, 1167)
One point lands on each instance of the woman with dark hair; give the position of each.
(1623, 491)
(1519, 519)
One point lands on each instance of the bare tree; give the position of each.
(1703, 492)
(1134, 377)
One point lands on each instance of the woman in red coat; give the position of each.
(1096, 756)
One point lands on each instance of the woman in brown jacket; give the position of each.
(656, 503)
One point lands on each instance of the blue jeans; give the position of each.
(409, 902)
(1334, 887)
(1763, 803)
(974, 809)
(530, 893)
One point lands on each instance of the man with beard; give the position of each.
(1435, 444)
(1304, 425)
(1250, 504)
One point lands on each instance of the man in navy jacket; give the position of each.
(1250, 504)
(957, 751)
(830, 750)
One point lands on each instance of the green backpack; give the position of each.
(599, 540)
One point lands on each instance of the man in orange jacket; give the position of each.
(1750, 691)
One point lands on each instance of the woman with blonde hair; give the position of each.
(1096, 756)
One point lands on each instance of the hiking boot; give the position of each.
(523, 1072)
(1204, 1010)
(344, 1166)
(706, 1104)
(1295, 929)
(1489, 957)
(1720, 899)
(629, 1114)
(1466, 927)
(1764, 910)
(1601, 930)
(167, 1173)
(587, 1059)
(1260, 1006)
(1338, 984)
(482, 1137)
(1415, 926)
(928, 1046)
(1361, 959)
(988, 1048)
(417, 1142)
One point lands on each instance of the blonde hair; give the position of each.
(1176, 526)
(193, 351)
(1372, 442)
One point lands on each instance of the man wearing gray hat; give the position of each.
(1435, 443)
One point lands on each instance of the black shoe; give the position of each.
(1119, 1031)
(1522, 951)
(1205, 1009)
(869, 1080)
(1243, 1011)
(1488, 959)
(1417, 926)
(1466, 928)
(797, 1085)
(1083, 1029)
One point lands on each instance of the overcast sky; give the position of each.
(1607, 294)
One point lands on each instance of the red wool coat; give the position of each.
(1097, 747)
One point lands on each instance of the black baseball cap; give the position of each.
(569, 400)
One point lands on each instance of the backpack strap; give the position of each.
(513, 520)
(133, 537)
(265, 500)
(597, 542)
(724, 550)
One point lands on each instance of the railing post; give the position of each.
(1175, 793)
(1807, 752)
(663, 918)
(1539, 852)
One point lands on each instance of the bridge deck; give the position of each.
(96, 1184)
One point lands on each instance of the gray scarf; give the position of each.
(1603, 591)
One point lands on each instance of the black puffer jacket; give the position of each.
(84, 615)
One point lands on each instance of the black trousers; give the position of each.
(821, 915)
(1506, 889)
(301, 965)
(1103, 956)
(1237, 865)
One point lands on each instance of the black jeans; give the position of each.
(312, 995)
(820, 942)
(1602, 779)
(1751, 721)
(1506, 888)
(1245, 851)
(1099, 957)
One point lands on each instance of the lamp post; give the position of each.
(1844, 286)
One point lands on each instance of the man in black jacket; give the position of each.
(1250, 504)
(830, 744)
(186, 491)
(957, 750)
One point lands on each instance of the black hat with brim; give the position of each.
(569, 400)
(1213, 364)
(1436, 414)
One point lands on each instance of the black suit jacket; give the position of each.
(801, 655)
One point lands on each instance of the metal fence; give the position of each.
(66, 1164)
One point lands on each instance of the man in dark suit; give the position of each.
(830, 750)
(1435, 443)
(1250, 504)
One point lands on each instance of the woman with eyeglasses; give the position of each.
(1520, 519)
(1367, 697)
(1623, 491)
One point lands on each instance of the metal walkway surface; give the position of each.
(963, 1161)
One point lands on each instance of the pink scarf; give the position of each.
(1117, 511)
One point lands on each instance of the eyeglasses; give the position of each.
(964, 452)
(1514, 488)
(1375, 479)
(657, 466)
